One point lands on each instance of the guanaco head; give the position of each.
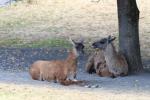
(78, 46)
(102, 43)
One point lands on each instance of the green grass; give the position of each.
(50, 43)
(18, 43)
(10, 42)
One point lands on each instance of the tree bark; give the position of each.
(128, 17)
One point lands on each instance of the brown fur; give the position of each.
(90, 65)
(96, 63)
(71, 82)
(57, 70)
(116, 62)
(103, 70)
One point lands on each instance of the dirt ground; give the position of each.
(16, 83)
(27, 92)
(20, 86)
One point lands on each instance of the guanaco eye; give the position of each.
(102, 42)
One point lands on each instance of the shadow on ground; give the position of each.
(15, 62)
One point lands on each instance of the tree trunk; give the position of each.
(128, 16)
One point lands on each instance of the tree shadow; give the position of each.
(14, 57)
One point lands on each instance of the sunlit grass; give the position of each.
(50, 43)
(18, 43)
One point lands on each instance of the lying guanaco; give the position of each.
(58, 70)
(115, 61)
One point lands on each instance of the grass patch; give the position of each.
(13, 23)
(10, 42)
(49, 43)
(21, 14)
(18, 43)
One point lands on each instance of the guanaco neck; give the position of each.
(110, 51)
(72, 57)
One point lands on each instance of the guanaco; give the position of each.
(58, 70)
(115, 61)
(96, 64)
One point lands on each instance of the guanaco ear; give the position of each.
(81, 40)
(111, 38)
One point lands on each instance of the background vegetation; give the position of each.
(34, 21)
